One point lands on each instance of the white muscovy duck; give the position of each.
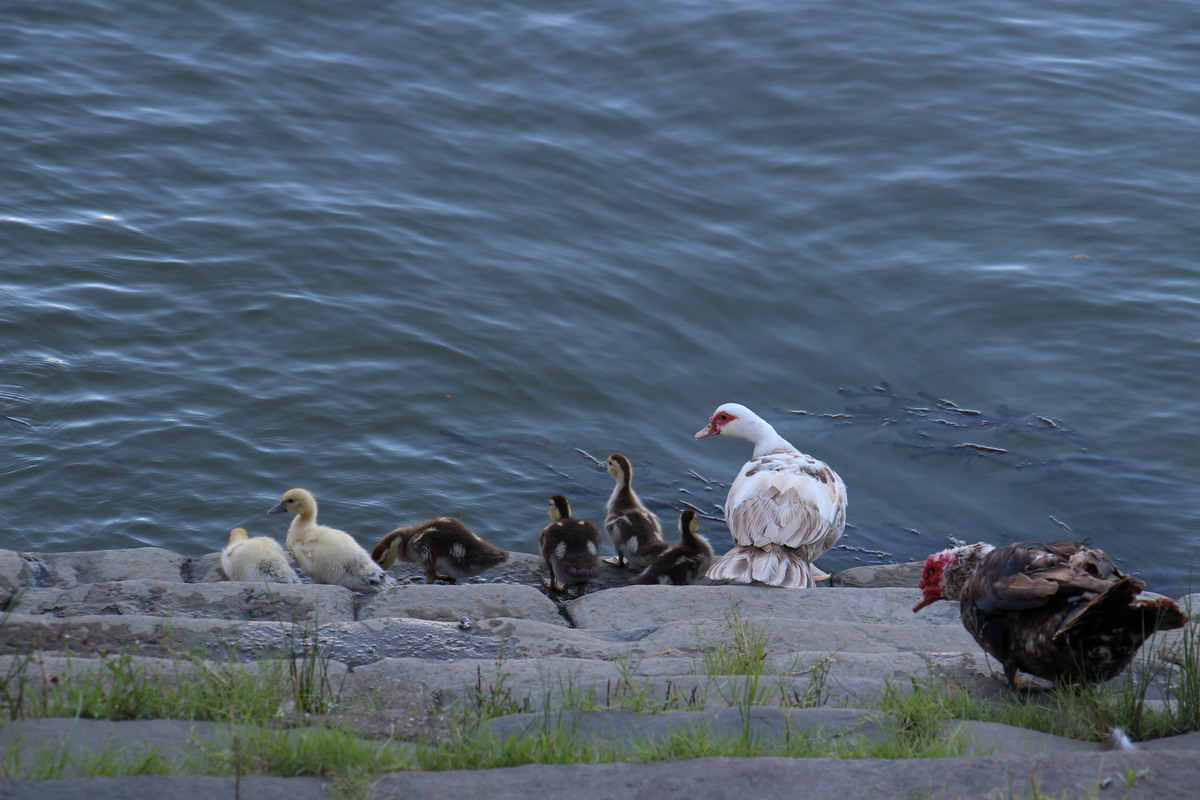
(784, 510)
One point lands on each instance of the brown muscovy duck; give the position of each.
(1061, 611)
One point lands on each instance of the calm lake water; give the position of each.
(415, 257)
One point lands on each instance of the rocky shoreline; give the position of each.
(404, 656)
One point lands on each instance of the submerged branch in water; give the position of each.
(981, 447)
(700, 512)
(586, 454)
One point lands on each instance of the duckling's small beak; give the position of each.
(279, 509)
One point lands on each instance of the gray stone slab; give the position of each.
(451, 603)
(41, 667)
(13, 574)
(1184, 741)
(75, 741)
(124, 741)
(96, 566)
(763, 724)
(671, 682)
(367, 641)
(906, 575)
(668, 683)
(1159, 776)
(207, 568)
(1190, 603)
(352, 643)
(542, 682)
(648, 606)
(986, 738)
(528, 639)
(145, 635)
(818, 636)
(223, 600)
(146, 787)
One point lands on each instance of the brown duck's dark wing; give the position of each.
(1121, 608)
(1027, 575)
(1061, 611)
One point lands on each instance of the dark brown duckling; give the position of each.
(444, 546)
(633, 529)
(686, 560)
(570, 547)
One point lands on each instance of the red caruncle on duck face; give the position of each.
(715, 423)
(931, 579)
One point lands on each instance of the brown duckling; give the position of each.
(326, 554)
(686, 560)
(570, 547)
(633, 529)
(444, 546)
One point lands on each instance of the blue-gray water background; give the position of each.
(412, 256)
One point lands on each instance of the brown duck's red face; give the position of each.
(931, 578)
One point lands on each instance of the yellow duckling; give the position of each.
(255, 559)
(326, 554)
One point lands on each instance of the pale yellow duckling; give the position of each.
(326, 554)
(255, 559)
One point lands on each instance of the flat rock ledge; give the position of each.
(401, 657)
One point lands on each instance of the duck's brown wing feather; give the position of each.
(1026, 575)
